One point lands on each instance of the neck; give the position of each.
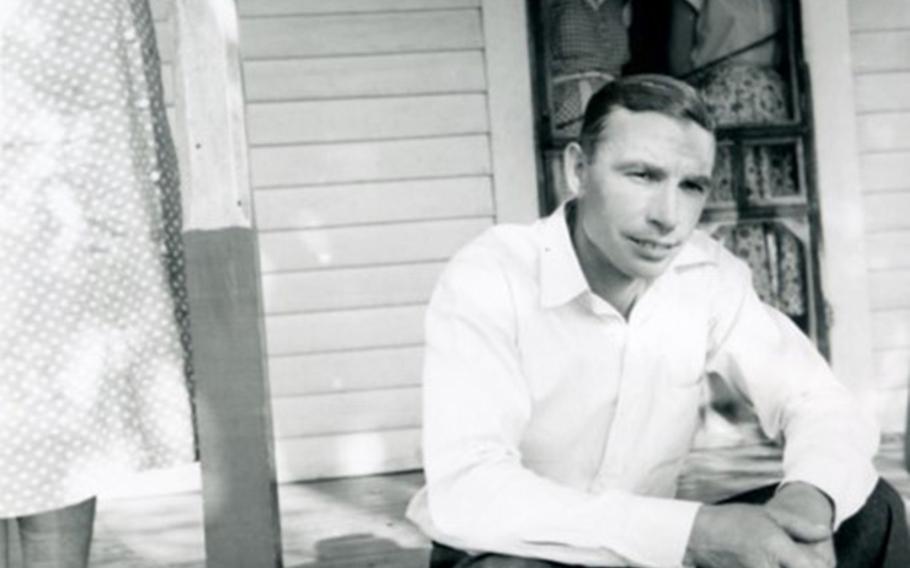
(605, 280)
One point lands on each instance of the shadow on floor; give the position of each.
(367, 551)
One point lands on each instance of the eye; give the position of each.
(693, 187)
(642, 175)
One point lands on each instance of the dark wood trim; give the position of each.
(240, 499)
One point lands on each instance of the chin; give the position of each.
(640, 269)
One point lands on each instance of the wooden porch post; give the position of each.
(242, 528)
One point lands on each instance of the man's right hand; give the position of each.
(746, 536)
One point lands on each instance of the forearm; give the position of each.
(502, 507)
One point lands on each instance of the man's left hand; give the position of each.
(807, 515)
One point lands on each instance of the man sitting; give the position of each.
(564, 367)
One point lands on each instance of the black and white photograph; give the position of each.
(454, 283)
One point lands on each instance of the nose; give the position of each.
(663, 209)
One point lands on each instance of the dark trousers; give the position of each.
(875, 537)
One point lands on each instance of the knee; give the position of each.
(886, 498)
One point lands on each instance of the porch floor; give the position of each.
(359, 522)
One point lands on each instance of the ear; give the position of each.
(574, 169)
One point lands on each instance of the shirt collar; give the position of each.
(561, 277)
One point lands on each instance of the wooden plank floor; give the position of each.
(359, 522)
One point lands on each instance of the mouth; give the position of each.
(653, 249)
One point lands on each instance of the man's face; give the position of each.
(642, 191)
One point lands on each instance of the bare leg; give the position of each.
(58, 539)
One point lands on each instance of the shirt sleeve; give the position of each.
(829, 441)
(476, 407)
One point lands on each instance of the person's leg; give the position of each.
(875, 537)
(59, 538)
(6, 560)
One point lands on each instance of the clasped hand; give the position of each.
(792, 530)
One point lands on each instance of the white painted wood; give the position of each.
(166, 38)
(890, 288)
(881, 51)
(348, 455)
(298, 7)
(882, 91)
(892, 368)
(161, 9)
(167, 81)
(308, 36)
(366, 245)
(826, 42)
(367, 119)
(347, 412)
(879, 14)
(890, 407)
(505, 28)
(210, 110)
(345, 371)
(885, 171)
(370, 161)
(366, 76)
(353, 329)
(887, 211)
(888, 250)
(884, 132)
(321, 290)
(383, 202)
(891, 328)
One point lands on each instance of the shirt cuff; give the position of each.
(657, 530)
(848, 487)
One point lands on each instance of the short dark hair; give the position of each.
(642, 93)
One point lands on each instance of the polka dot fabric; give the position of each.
(93, 312)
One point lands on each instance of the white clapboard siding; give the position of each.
(886, 170)
(880, 42)
(339, 455)
(891, 328)
(365, 76)
(366, 119)
(873, 15)
(345, 371)
(345, 330)
(345, 34)
(321, 290)
(892, 366)
(880, 50)
(337, 413)
(301, 7)
(888, 250)
(887, 211)
(890, 406)
(369, 161)
(370, 125)
(383, 202)
(890, 288)
(882, 91)
(366, 245)
(884, 132)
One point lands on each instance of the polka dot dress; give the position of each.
(93, 312)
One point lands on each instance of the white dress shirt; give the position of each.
(555, 428)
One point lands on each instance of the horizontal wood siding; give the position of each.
(370, 159)
(880, 41)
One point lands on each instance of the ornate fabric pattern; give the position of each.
(93, 310)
